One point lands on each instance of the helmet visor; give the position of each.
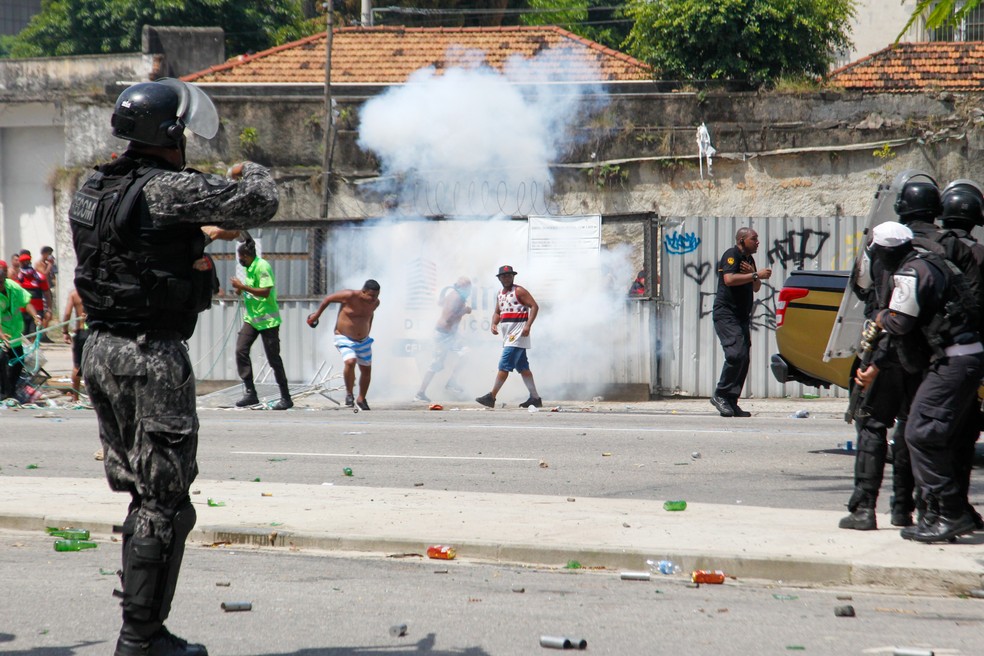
(196, 110)
(911, 175)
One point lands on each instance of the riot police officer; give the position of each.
(136, 226)
(933, 315)
(963, 210)
(885, 404)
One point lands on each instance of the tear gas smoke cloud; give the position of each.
(477, 128)
(472, 134)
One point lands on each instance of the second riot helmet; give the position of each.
(963, 202)
(918, 199)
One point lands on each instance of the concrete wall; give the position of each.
(808, 154)
(54, 78)
(813, 158)
(185, 49)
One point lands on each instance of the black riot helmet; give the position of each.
(963, 204)
(157, 113)
(918, 199)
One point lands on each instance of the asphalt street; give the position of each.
(770, 460)
(308, 603)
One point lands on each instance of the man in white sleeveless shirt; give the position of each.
(515, 312)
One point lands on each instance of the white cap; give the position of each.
(891, 234)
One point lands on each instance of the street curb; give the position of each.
(789, 571)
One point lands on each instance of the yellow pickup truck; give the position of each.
(805, 314)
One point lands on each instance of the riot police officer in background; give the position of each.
(963, 210)
(933, 316)
(136, 226)
(918, 205)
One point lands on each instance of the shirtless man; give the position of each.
(75, 333)
(352, 335)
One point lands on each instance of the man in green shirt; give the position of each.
(261, 319)
(13, 298)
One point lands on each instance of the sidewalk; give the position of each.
(795, 546)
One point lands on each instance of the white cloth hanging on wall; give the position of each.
(704, 150)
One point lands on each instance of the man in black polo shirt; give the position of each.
(738, 280)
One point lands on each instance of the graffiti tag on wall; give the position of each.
(681, 243)
(794, 250)
(797, 247)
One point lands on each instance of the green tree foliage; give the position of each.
(940, 13)
(602, 21)
(78, 27)
(752, 40)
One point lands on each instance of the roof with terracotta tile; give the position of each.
(909, 67)
(388, 55)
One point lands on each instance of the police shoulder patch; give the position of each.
(905, 298)
(83, 209)
(731, 260)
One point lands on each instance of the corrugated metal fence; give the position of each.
(667, 343)
(690, 356)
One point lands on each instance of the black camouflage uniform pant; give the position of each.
(887, 401)
(143, 391)
(944, 397)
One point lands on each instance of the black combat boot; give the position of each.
(249, 397)
(976, 516)
(862, 519)
(163, 643)
(285, 402)
(945, 528)
(902, 508)
(901, 518)
(927, 512)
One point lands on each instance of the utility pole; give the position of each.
(366, 13)
(329, 144)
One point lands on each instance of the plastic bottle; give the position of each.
(68, 533)
(675, 505)
(707, 576)
(664, 566)
(441, 552)
(73, 545)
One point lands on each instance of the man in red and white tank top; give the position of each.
(515, 312)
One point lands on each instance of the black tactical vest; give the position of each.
(134, 277)
(955, 321)
(948, 245)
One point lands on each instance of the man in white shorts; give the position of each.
(352, 336)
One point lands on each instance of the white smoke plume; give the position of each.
(463, 137)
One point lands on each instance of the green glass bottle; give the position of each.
(675, 505)
(68, 533)
(73, 545)
(347, 471)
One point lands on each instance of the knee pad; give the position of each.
(870, 465)
(184, 520)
